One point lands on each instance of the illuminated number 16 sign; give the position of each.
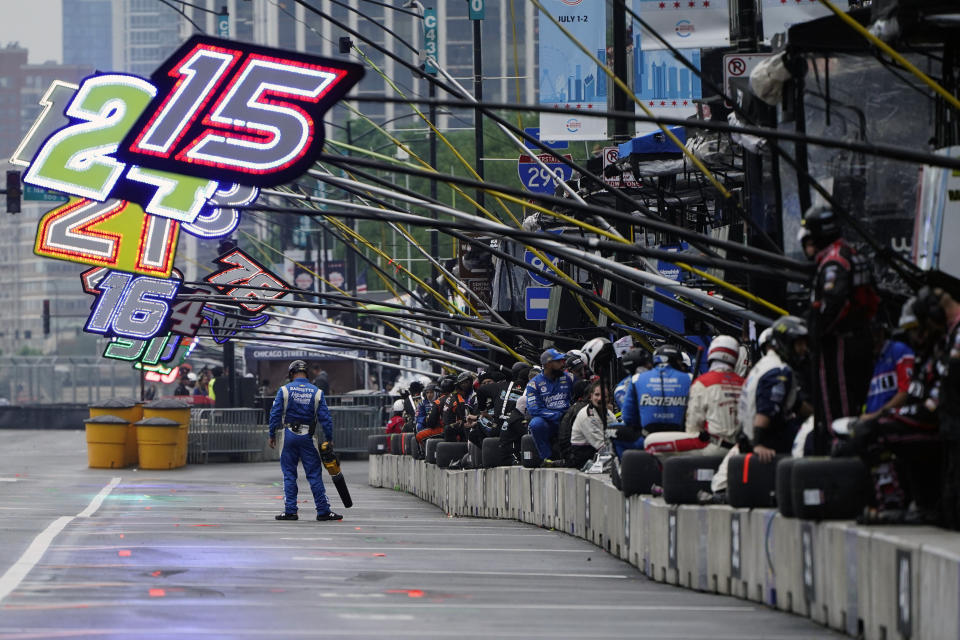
(241, 113)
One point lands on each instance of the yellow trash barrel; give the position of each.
(157, 440)
(106, 442)
(131, 411)
(179, 412)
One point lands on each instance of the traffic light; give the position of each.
(13, 192)
(46, 317)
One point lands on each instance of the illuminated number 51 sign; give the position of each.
(226, 111)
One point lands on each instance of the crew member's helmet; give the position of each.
(599, 352)
(823, 225)
(446, 384)
(576, 359)
(724, 349)
(636, 358)
(668, 354)
(765, 339)
(398, 406)
(464, 378)
(297, 366)
(519, 371)
(786, 331)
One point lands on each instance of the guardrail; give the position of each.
(876, 583)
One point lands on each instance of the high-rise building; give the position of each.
(88, 33)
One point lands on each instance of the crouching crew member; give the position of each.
(299, 406)
(711, 418)
(769, 403)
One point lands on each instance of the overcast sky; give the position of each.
(35, 24)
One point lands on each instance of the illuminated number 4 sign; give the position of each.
(231, 111)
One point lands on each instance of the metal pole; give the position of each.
(434, 234)
(478, 94)
(621, 100)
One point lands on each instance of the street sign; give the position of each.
(537, 266)
(223, 25)
(539, 180)
(550, 144)
(38, 194)
(430, 39)
(626, 179)
(739, 65)
(537, 302)
(476, 9)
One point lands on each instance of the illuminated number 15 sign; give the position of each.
(234, 112)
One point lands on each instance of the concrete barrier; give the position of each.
(878, 583)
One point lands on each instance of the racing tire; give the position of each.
(396, 443)
(490, 453)
(639, 471)
(431, 450)
(784, 487)
(752, 484)
(685, 476)
(529, 456)
(377, 445)
(447, 452)
(407, 441)
(829, 488)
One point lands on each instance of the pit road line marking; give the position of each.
(13, 576)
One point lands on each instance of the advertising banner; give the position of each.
(569, 79)
(685, 24)
(666, 87)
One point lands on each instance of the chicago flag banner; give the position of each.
(569, 79)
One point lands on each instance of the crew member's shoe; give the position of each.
(330, 516)
(287, 516)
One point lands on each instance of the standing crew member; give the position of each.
(843, 302)
(455, 409)
(512, 426)
(548, 397)
(299, 407)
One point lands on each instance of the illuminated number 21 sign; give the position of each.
(241, 113)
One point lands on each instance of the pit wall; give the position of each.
(876, 582)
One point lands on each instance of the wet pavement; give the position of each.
(195, 553)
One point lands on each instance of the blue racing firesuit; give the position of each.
(422, 410)
(547, 401)
(303, 410)
(656, 400)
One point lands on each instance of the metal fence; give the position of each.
(242, 434)
(228, 433)
(42, 380)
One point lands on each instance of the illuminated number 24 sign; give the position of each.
(228, 111)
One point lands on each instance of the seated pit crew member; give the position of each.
(411, 403)
(711, 418)
(455, 409)
(635, 362)
(299, 407)
(580, 399)
(512, 421)
(548, 397)
(433, 423)
(587, 435)
(655, 401)
(429, 395)
(902, 446)
(576, 364)
(396, 421)
(894, 365)
(770, 409)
